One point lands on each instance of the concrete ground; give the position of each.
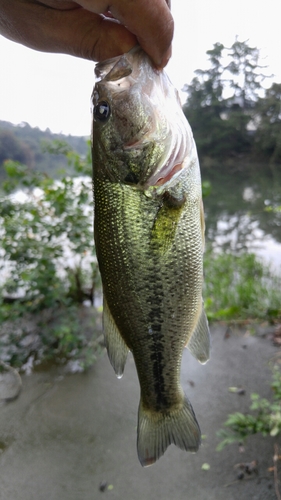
(73, 437)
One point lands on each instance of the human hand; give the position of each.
(91, 29)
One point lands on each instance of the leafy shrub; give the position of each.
(47, 252)
(265, 417)
(241, 287)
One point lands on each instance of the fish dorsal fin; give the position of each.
(115, 345)
(199, 344)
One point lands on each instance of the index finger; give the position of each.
(149, 20)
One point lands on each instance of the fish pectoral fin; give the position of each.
(116, 348)
(200, 342)
(157, 430)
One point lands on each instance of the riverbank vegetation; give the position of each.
(240, 287)
(50, 282)
(48, 265)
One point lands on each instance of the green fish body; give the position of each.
(149, 235)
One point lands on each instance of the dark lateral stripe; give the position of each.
(157, 359)
(156, 344)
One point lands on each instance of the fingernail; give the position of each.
(165, 59)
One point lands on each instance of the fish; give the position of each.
(149, 238)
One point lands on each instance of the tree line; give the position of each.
(231, 112)
(33, 147)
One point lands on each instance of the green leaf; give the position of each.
(205, 466)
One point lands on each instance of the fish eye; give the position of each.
(102, 111)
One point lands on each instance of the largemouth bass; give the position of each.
(149, 235)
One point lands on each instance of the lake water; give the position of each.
(243, 212)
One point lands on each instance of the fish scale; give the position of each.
(149, 235)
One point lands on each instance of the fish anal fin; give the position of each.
(199, 344)
(117, 350)
(157, 430)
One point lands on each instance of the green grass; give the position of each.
(240, 287)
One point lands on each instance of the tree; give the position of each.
(268, 124)
(27, 145)
(204, 104)
(11, 148)
(245, 76)
(221, 100)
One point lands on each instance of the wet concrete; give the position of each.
(67, 434)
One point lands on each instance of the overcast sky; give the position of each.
(54, 91)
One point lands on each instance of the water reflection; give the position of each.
(242, 212)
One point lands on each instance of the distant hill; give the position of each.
(26, 144)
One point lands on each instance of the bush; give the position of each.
(240, 287)
(47, 248)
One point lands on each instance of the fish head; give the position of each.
(140, 134)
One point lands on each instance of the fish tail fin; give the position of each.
(157, 430)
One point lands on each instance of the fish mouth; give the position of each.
(113, 69)
(117, 67)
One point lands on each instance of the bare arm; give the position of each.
(91, 29)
